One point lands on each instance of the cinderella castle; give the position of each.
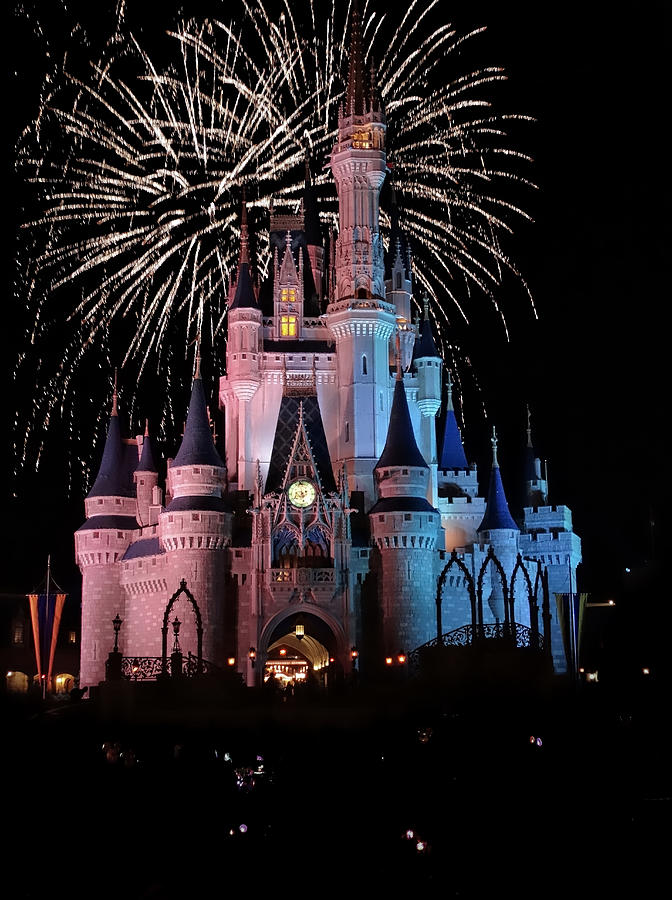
(335, 514)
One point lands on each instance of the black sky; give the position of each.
(593, 366)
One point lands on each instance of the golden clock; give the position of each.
(301, 493)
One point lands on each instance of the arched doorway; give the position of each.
(302, 646)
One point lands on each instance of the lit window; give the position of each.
(17, 637)
(72, 637)
(288, 295)
(288, 326)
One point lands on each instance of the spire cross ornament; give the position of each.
(493, 441)
(114, 394)
(244, 233)
(529, 427)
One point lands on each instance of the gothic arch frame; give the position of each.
(492, 558)
(310, 610)
(454, 561)
(531, 594)
(183, 589)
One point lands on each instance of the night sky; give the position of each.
(592, 367)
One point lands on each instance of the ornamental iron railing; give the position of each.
(508, 634)
(151, 668)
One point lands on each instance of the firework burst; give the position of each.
(137, 171)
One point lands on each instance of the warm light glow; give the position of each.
(288, 326)
(401, 659)
(388, 660)
(231, 660)
(299, 631)
(288, 295)
(646, 671)
(612, 603)
(283, 652)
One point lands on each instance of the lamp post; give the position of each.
(113, 662)
(252, 655)
(117, 622)
(176, 654)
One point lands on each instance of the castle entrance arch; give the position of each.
(313, 652)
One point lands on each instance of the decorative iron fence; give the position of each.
(508, 634)
(151, 668)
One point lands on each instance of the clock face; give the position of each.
(301, 493)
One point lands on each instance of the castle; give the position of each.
(335, 511)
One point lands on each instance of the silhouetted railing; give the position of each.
(150, 668)
(508, 633)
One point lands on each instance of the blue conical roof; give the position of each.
(426, 345)
(452, 451)
(146, 463)
(244, 297)
(400, 447)
(197, 447)
(114, 474)
(497, 513)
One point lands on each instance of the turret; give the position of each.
(404, 529)
(313, 234)
(399, 280)
(146, 479)
(110, 508)
(196, 525)
(500, 531)
(536, 486)
(428, 365)
(462, 510)
(288, 293)
(243, 356)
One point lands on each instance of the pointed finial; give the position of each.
(115, 395)
(493, 441)
(244, 233)
(397, 353)
(355, 91)
(197, 373)
(529, 427)
(288, 240)
(146, 427)
(425, 306)
(449, 403)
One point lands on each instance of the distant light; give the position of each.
(242, 829)
(646, 671)
(410, 834)
(388, 660)
(283, 651)
(532, 738)
(420, 846)
(582, 670)
(332, 659)
(231, 660)
(9, 674)
(627, 569)
(539, 742)
(401, 659)
(612, 603)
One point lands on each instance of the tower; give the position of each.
(242, 361)
(195, 527)
(100, 543)
(428, 366)
(500, 531)
(404, 531)
(359, 317)
(462, 510)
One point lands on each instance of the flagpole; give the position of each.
(572, 626)
(46, 622)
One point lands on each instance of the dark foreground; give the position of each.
(139, 795)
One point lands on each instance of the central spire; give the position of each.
(355, 98)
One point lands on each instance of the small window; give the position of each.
(17, 633)
(197, 471)
(288, 295)
(120, 535)
(72, 637)
(347, 432)
(100, 503)
(364, 367)
(288, 326)
(195, 517)
(117, 501)
(170, 519)
(380, 401)
(142, 481)
(96, 534)
(407, 517)
(381, 518)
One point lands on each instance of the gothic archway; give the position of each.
(454, 561)
(199, 629)
(492, 558)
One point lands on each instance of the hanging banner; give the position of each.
(578, 602)
(45, 615)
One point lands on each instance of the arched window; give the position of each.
(287, 326)
(364, 372)
(398, 285)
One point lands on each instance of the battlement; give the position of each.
(539, 518)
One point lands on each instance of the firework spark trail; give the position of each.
(137, 172)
